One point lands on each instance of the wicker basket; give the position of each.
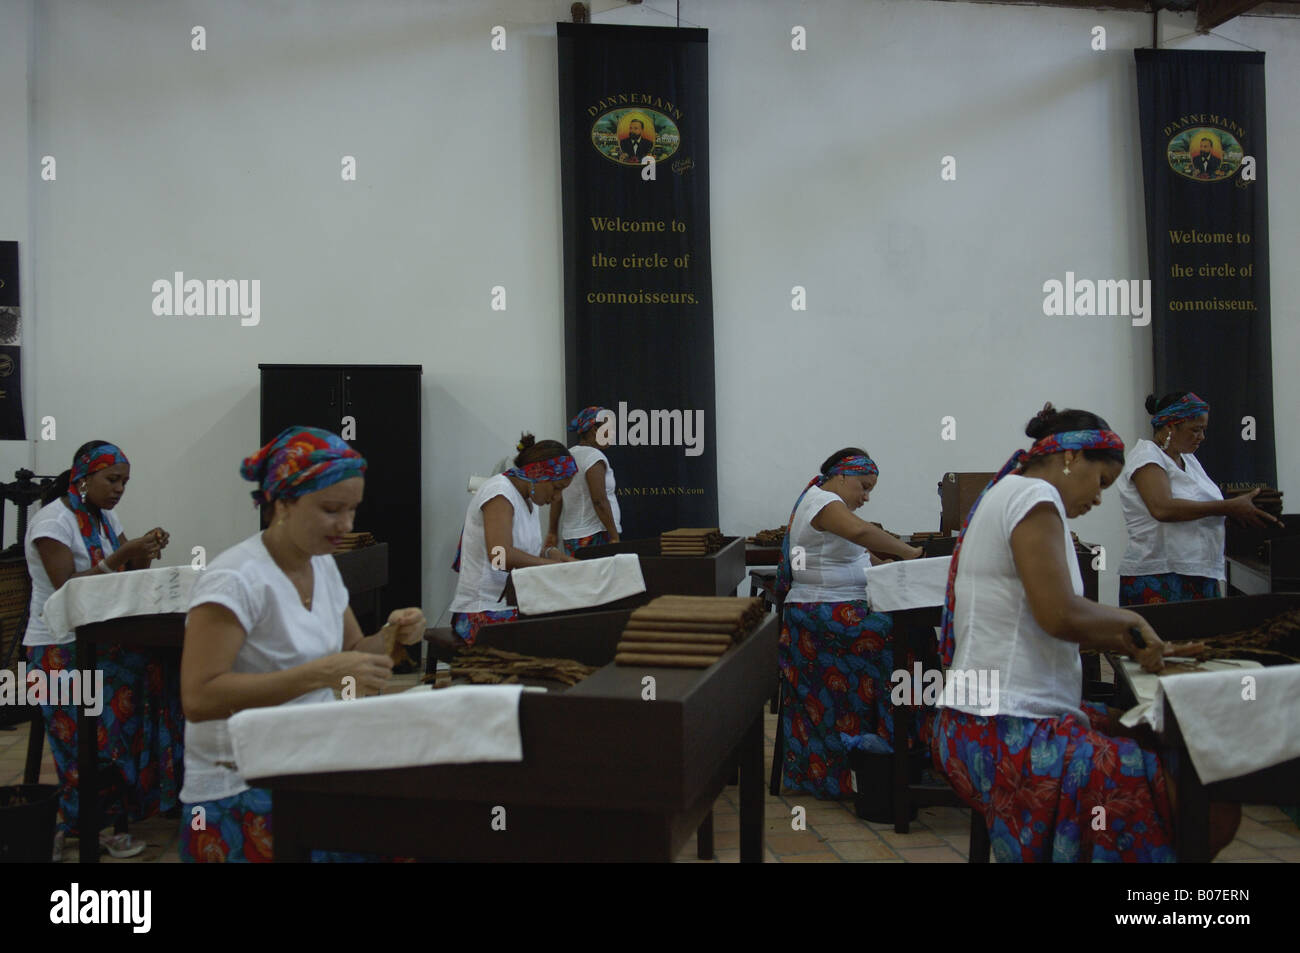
(15, 600)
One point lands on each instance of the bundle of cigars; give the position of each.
(687, 631)
(690, 542)
(481, 665)
(355, 541)
(1269, 499)
(1275, 641)
(768, 537)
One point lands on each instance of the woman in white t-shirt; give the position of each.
(77, 534)
(587, 513)
(1173, 510)
(836, 655)
(269, 624)
(1041, 765)
(501, 533)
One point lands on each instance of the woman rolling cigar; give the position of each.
(269, 624)
(1055, 777)
(836, 655)
(1173, 511)
(587, 514)
(501, 533)
(78, 534)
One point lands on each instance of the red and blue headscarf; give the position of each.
(539, 471)
(99, 457)
(1052, 443)
(1188, 407)
(586, 419)
(299, 461)
(855, 465)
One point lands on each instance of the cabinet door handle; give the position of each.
(331, 396)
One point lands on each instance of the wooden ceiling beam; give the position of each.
(1212, 13)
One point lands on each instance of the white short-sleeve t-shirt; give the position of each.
(1039, 676)
(479, 586)
(280, 633)
(578, 517)
(57, 521)
(833, 567)
(1191, 547)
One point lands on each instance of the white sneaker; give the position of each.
(121, 845)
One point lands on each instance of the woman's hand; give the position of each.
(1243, 509)
(1145, 645)
(409, 625)
(613, 537)
(551, 540)
(915, 552)
(368, 670)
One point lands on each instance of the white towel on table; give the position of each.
(908, 584)
(459, 725)
(560, 587)
(1228, 735)
(98, 598)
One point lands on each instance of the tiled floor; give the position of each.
(834, 833)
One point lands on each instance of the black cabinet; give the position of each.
(383, 401)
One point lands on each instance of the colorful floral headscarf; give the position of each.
(99, 457)
(1185, 409)
(300, 460)
(857, 464)
(1052, 443)
(585, 419)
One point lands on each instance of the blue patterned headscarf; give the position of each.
(1186, 408)
(99, 457)
(299, 461)
(855, 465)
(585, 419)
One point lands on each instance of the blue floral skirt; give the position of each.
(467, 624)
(836, 662)
(237, 829)
(141, 736)
(571, 546)
(1057, 789)
(1165, 587)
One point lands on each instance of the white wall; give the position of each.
(924, 296)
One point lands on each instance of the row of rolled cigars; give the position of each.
(1273, 642)
(1269, 499)
(687, 631)
(690, 542)
(356, 541)
(768, 537)
(482, 665)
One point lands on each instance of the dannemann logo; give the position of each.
(631, 126)
(1205, 147)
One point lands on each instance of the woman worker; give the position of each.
(1173, 511)
(269, 624)
(501, 533)
(836, 655)
(77, 534)
(587, 512)
(1047, 767)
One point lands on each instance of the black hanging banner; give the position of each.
(638, 287)
(11, 380)
(1205, 168)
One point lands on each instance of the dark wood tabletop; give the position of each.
(607, 774)
(1278, 784)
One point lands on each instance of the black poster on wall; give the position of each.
(638, 293)
(1206, 173)
(11, 382)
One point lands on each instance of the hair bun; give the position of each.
(526, 440)
(1152, 404)
(1042, 423)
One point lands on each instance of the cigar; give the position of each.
(1136, 633)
